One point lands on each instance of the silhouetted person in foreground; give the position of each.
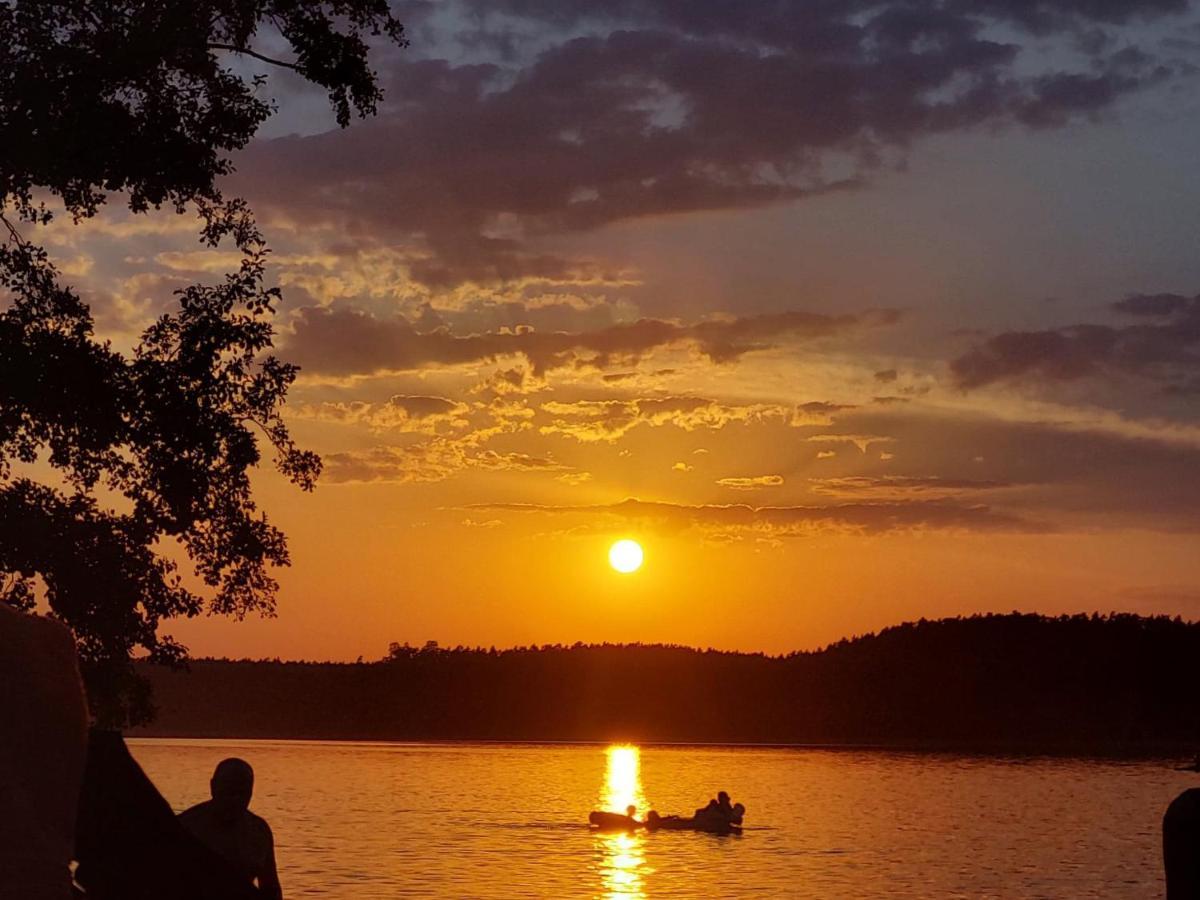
(1181, 846)
(129, 844)
(226, 825)
(43, 742)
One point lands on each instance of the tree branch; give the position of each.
(13, 233)
(248, 52)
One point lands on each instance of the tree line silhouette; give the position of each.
(1104, 682)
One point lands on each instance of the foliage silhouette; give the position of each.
(1110, 683)
(115, 466)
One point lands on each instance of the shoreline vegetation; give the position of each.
(1117, 684)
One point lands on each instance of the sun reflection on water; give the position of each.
(623, 858)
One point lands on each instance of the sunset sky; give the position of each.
(849, 312)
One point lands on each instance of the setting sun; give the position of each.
(625, 556)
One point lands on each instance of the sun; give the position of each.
(625, 556)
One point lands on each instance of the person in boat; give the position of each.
(226, 825)
(711, 825)
(719, 811)
(724, 807)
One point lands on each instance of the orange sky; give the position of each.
(831, 378)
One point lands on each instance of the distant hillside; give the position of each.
(1119, 682)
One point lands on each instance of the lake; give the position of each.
(368, 820)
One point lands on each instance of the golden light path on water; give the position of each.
(624, 860)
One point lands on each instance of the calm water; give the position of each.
(401, 820)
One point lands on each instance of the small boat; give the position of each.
(677, 823)
(611, 821)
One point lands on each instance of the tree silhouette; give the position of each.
(1114, 683)
(116, 467)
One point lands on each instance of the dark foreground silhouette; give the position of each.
(226, 825)
(1119, 683)
(43, 746)
(1181, 846)
(129, 844)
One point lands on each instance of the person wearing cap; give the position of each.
(226, 825)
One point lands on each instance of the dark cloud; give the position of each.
(826, 26)
(1163, 343)
(1125, 476)
(346, 341)
(899, 487)
(732, 520)
(638, 108)
(819, 412)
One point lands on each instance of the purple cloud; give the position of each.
(639, 108)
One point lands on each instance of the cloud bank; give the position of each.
(537, 118)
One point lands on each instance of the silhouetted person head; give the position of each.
(232, 785)
(631, 810)
(226, 825)
(723, 798)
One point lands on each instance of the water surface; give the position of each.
(362, 820)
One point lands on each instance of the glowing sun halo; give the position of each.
(625, 556)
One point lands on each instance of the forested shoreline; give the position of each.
(1113, 683)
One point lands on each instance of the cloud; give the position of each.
(428, 461)
(600, 113)
(518, 380)
(1161, 344)
(403, 413)
(1081, 476)
(861, 441)
(899, 487)
(344, 341)
(682, 467)
(609, 420)
(575, 478)
(740, 520)
(754, 483)
(817, 413)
